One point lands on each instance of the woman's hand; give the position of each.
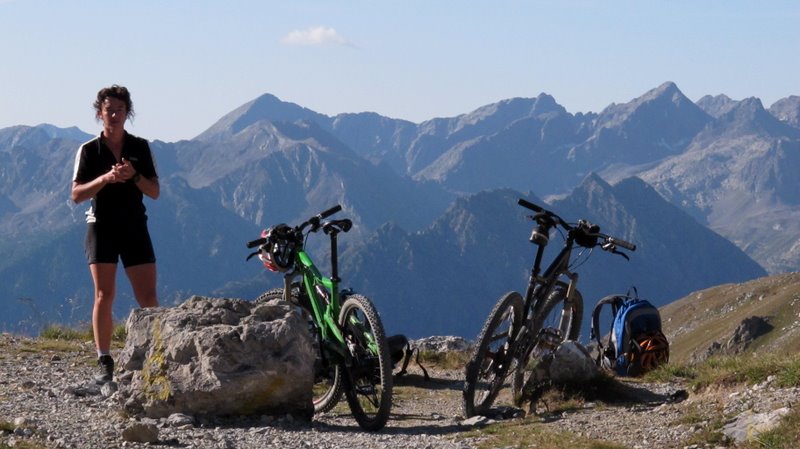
(125, 170)
(112, 176)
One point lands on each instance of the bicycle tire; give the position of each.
(368, 385)
(327, 390)
(569, 317)
(483, 377)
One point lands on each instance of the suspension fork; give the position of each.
(572, 286)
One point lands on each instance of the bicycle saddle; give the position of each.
(343, 225)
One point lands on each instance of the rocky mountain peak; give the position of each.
(716, 105)
(661, 100)
(748, 117)
(787, 110)
(266, 107)
(23, 136)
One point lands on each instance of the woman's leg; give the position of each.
(104, 277)
(143, 282)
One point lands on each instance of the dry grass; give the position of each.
(528, 433)
(693, 323)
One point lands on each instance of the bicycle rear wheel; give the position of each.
(492, 358)
(558, 320)
(327, 389)
(368, 379)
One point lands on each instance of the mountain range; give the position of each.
(704, 189)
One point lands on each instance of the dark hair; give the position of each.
(115, 91)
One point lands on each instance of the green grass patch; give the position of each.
(709, 424)
(729, 371)
(526, 433)
(85, 333)
(750, 370)
(450, 360)
(670, 372)
(6, 426)
(785, 436)
(692, 415)
(24, 444)
(59, 332)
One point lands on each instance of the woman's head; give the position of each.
(121, 96)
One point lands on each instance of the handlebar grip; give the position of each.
(622, 243)
(256, 242)
(529, 205)
(329, 212)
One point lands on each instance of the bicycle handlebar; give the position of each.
(529, 205)
(611, 241)
(317, 219)
(619, 242)
(256, 242)
(329, 212)
(313, 221)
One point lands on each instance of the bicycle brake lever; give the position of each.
(612, 248)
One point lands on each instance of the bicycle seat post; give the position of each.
(334, 256)
(537, 263)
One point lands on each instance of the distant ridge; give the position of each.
(433, 203)
(264, 108)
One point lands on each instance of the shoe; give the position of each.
(105, 370)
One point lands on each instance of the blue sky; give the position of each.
(188, 63)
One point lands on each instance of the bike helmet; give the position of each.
(652, 352)
(278, 252)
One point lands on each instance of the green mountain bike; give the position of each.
(352, 352)
(518, 328)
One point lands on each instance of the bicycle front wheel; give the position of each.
(368, 379)
(327, 389)
(493, 355)
(559, 319)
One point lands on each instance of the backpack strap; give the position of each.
(616, 302)
(409, 352)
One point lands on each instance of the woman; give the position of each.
(115, 170)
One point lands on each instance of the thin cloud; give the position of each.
(316, 36)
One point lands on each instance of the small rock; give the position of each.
(180, 420)
(476, 421)
(21, 422)
(108, 389)
(140, 433)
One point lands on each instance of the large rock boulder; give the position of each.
(572, 363)
(217, 357)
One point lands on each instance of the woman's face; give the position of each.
(113, 113)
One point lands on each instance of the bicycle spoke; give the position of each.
(492, 362)
(370, 391)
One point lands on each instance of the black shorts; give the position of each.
(107, 242)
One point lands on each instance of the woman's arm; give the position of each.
(82, 192)
(148, 186)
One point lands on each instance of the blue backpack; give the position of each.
(636, 343)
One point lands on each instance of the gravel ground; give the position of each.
(51, 399)
(47, 398)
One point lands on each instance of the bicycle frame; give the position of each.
(324, 295)
(325, 311)
(559, 267)
(539, 288)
